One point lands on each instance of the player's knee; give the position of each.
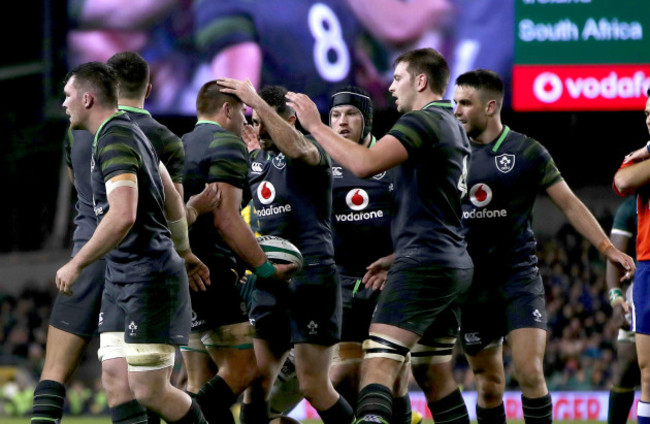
(530, 375)
(381, 346)
(141, 357)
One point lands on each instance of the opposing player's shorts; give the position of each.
(221, 304)
(420, 295)
(358, 306)
(494, 310)
(641, 299)
(307, 309)
(157, 311)
(79, 313)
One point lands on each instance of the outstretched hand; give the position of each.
(306, 110)
(377, 273)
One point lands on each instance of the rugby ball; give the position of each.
(280, 251)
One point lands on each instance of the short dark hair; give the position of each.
(430, 62)
(487, 82)
(210, 98)
(357, 97)
(275, 96)
(132, 72)
(99, 79)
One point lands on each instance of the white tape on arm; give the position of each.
(180, 236)
(122, 180)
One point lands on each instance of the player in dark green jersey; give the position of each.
(626, 370)
(216, 154)
(133, 197)
(508, 170)
(432, 269)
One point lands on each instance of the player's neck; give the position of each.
(98, 118)
(491, 132)
(136, 103)
(426, 98)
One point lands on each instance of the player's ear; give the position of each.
(88, 100)
(226, 108)
(292, 120)
(148, 92)
(492, 107)
(421, 81)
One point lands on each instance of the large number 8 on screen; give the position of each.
(326, 29)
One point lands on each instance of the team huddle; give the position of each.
(408, 243)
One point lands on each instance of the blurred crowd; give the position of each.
(579, 353)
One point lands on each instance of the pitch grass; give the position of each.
(107, 420)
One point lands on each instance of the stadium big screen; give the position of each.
(306, 45)
(581, 55)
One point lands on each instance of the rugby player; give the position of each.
(432, 268)
(508, 170)
(74, 317)
(215, 153)
(626, 369)
(133, 195)
(291, 185)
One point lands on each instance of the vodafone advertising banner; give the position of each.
(581, 55)
(573, 406)
(580, 87)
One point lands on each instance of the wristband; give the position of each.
(604, 245)
(615, 296)
(265, 270)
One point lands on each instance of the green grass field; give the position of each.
(107, 420)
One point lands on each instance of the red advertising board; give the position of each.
(580, 87)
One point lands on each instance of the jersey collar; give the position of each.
(134, 109)
(205, 121)
(99, 130)
(373, 140)
(445, 104)
(502, 137)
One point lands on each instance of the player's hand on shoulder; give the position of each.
(249, 136)
(66, 276)
(198, 273)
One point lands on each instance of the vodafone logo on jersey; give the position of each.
(266, 192)
(357, 199)
(480, 195)
(580, 87)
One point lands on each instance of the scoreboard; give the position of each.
(580, 55)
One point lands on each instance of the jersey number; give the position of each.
(331, 55)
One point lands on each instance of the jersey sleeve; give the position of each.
(228, 161)
(623, 165)
(117, 154)
(173, 156)
(548, 172)
(413, 129)
(223, 23)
